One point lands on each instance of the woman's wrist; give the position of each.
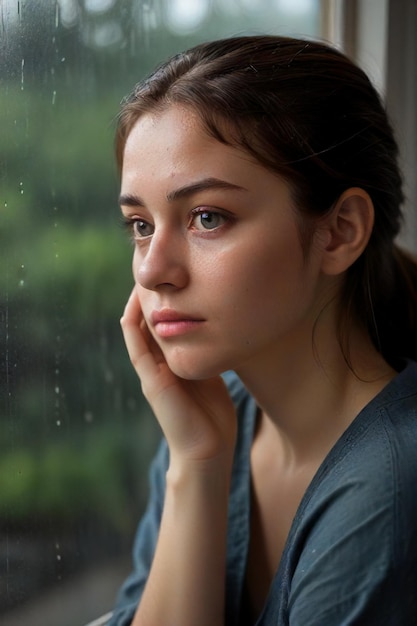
(214, 473)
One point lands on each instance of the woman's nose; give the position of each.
(163, 264)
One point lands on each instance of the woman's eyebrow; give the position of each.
(202, 185)
(183, 192)
(128, 199)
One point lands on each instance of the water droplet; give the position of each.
(21, 283)
(56, 389)
(5, 205)
(58, 422)
(58, 557)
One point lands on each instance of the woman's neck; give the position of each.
(307, 400)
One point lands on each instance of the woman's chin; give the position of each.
(190, 369)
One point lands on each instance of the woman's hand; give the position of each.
(197, 417)
(186, 581)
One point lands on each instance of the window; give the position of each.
(402, 102)
(76, 438)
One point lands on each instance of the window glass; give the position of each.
(75, 434)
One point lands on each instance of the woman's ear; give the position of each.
(348, 229)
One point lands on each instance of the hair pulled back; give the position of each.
(309, 114)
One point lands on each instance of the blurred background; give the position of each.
(75, 434)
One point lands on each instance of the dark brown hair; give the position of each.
(309, 114)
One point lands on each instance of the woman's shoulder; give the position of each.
(399, 399)
(373, 467)
(390, 419)
(356, 525)
(389, 422)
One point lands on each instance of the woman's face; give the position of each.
(218, 264)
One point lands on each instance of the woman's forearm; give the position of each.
(187, 578)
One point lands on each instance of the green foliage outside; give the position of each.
(64, 279)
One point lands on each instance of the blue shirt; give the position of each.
(351, 554)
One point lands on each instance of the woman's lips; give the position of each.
(170, 323)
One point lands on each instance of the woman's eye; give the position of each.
(142, 229)
(137, 228)
(208, 220)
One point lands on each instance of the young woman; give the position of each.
(261, 188)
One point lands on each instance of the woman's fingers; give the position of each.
(138, 338)
(145, 354)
